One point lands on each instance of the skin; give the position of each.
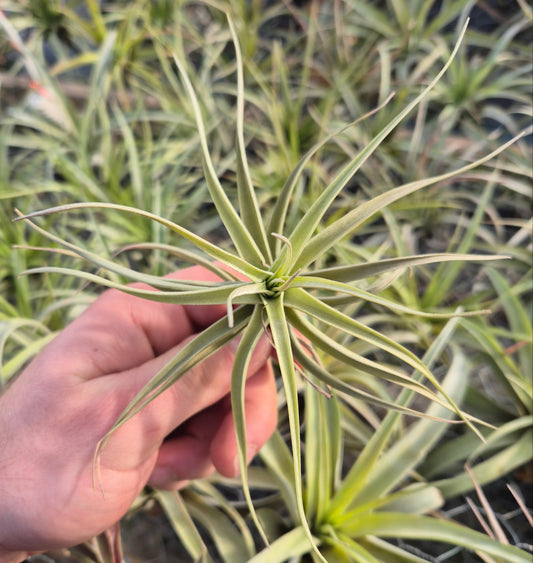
(54, 414)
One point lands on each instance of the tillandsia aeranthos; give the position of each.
(269, 281)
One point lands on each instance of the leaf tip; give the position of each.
(19, 215)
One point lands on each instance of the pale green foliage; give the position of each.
(276, 277)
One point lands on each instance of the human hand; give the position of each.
(53, 416)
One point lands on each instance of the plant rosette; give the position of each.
(276, 288)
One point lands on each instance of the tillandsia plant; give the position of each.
(381, 495)
(270, 284)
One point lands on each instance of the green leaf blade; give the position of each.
(303, 232)
(241, 237)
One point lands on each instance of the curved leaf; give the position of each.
(215, 294)
(235, 262)
(335, 383)
(199, 348)
(355, 272)
(318, 244)
(249, 340)
(283, 200)
(292, 544)
(241, 237)
(111, 266)
(304, 230)
(248, 207)
(306, 303)
(412, 526)
(281, 338)
(336, 350)
(310, 282)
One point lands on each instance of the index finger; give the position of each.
(120, 331)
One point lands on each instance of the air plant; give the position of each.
(270, 284)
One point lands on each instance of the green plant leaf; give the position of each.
(199, 348)
(412, 526)
(248, 342)
(191, 257)
(99, 86)
(219, 254)
(411, 448)
(355, 272)
(323, 445)
(418, 498)
(360, 363)
(497, 465)
(318, 244)
(246, 289)
(387, 552)
(335, 383)
(277, 457)
(215, 294)
(183, 524)
(304, 302)
(291, 544)
(362, 470)
(248, 207)
(518, 320)
(310, 282)
(446, 274)
(239, 524)
(304, 230)
(346, 549)
(112, 266)
(511, 375)
(233, 544)
(284, 198)
(281, 339)
(134, 165)
(241, 237)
